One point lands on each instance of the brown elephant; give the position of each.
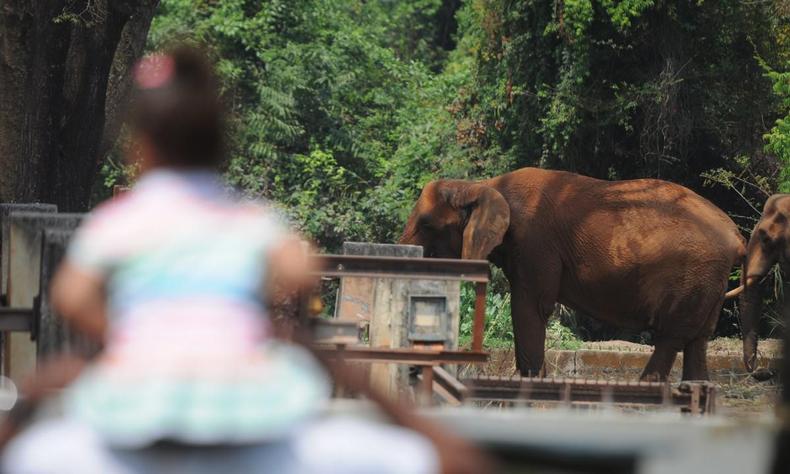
(641, 254)
(769, 244)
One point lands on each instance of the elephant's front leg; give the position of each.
(529, 331)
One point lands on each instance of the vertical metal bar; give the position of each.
(340, 391)
(480, 316)
(303, 308)
(427, 384)
(710, 400)
(694, 404)
(666, 395)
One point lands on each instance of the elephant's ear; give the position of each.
(488, 220)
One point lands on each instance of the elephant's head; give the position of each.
(768, 245)
(457, 219)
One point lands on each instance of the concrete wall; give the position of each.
(25, 236)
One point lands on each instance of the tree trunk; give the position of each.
(63, 71)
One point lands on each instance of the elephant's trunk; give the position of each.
(409, 235)
(751, 308)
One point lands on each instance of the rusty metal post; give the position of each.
(480, 316)
(694, 405)
(340, 391)
(710, 400)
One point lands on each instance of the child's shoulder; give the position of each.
(121, 213)
(259, 209)
(111, 209)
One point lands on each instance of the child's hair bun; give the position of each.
(191, 68)
(177, 108)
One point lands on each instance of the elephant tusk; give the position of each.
(734, 292)
(737, 291)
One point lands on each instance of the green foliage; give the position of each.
(342, 110)
(559, 336)
(623, 12)
(337, 114)
(778, 139)
(622, 89)
(498, 330)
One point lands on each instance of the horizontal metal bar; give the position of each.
(449, 383)
(572, 390)
(333, 331)
(398, 267)
(559, 381)
(16, 319)
(402, 356)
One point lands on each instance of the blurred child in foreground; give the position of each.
(173, 278)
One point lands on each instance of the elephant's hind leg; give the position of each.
(695, 354)
(660, 363)
(695, 363)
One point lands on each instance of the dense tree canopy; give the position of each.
(343, 109)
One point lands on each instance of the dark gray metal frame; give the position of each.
(54, 231)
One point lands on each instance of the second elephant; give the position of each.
(641, 254)
(769, 244)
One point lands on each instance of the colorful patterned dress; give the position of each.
(189, 355)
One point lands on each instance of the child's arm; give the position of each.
(79, 298)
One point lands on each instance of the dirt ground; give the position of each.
(767, 347)
(739, 394)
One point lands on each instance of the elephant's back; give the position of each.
(638, 206)
(620, 224)
(695, 220)
(669, 219)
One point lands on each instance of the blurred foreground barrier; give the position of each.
(697, 398)
(34, 239)
(613, 442)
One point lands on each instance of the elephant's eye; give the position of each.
(424, 223)
(765, 240)
(428, 229)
